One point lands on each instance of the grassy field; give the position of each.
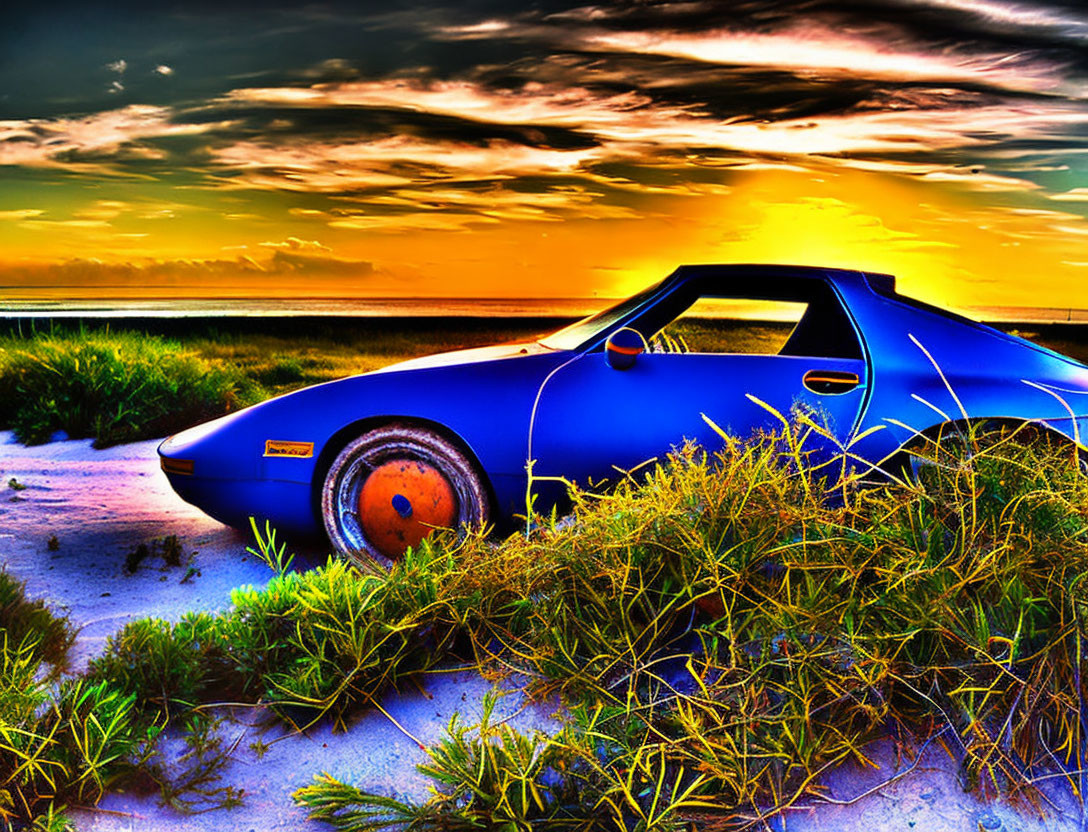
(119, 382)
(1068, 339)
(133, 379)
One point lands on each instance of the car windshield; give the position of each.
(578, 333)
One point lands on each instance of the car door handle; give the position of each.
(830, 382)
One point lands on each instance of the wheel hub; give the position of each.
(401, 502)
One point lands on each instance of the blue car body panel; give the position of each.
(464, 399)
(913, 367)
(930, 367)
(643, 412)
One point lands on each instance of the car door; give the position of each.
(592, 420)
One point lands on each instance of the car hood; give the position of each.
(470, 356)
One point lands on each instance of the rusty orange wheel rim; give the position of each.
(403, 501)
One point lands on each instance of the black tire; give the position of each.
(394, 443)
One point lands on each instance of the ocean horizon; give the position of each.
(299, 307)
(415, 308)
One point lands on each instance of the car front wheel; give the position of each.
(392, 486)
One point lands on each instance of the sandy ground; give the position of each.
(101, 504)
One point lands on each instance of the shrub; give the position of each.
(726, 633)
(722, 632)
(113, 387)
(324, 642)
(58, 743)
(492, 778)
(30, 622)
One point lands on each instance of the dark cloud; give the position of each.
(534, 104)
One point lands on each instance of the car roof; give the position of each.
(767, 281)
(883, 283)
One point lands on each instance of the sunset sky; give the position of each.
(542, 149)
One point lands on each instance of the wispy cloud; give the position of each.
(150, 272)
(394, 162)
(977, 180)
(821, 44)
(62, 141)
(1072, 195)
(295, 244)
(485, 28)
(19, 214)
(412, 221)
(821, 52)
(488, 205)
(1016, 15)
(119, 66)
(60, 225)
(103, 210)
(533, 103)
(634, 118)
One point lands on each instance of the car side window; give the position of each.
(808, 322)
(730, 325)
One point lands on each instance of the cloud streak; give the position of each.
(148, 273)
(822, 52)
(1016, 16)
(61, 141)
(623, 121)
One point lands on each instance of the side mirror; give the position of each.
(623, 347)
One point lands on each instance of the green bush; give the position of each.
(282, 371)
(726, 632)
(324, 642)
(112, 387)
(721, 632)
(30, 622)
(491, 778)
(59, 743)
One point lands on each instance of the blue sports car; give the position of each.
(375, 461)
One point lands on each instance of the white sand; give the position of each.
(102, 504)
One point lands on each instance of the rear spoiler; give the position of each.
(882, 284)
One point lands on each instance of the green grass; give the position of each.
(283, 362)
(125, 385)
(1068, 339)
(30, 622)
(62, 742)
(124, 381)
(115, 388)
(721, 634)
(724, 635)
(725, 336)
